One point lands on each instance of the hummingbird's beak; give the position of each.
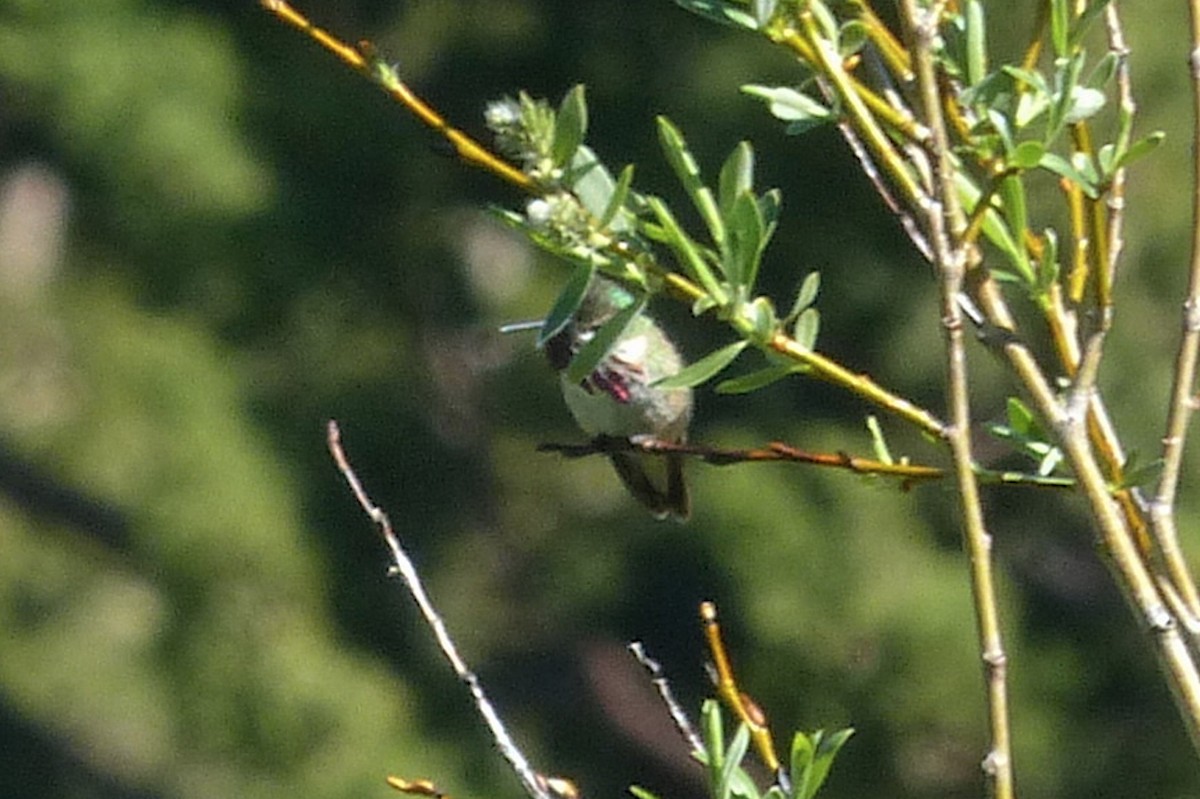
(518, 327)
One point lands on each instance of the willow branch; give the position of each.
(1183, 399)
(536, 785)
(944, 220)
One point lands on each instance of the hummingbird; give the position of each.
(619, 398)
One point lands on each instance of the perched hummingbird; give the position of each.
(618, 399)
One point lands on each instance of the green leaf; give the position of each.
(790, 105)
(808, 324)
(1060, 25)
(1052, 162)
(807, 294)
(1027, 155)
(733, 761)
(737, 176)
(712, 728)
(612, 218)
(586, 360)
(746, 230)
(641, 793)
(591, 181)
(812, 758)
(1012, 200)
(879, 445)
(763, 11)
(1140, 148)
(976, 31)
(760, 315)
(705, 368)
(995, 230)
(570, 126)
(721, 12)
(758, 379)
(688, 172)
(1084, 21)
(1021, 419)
(567, 303)
(852, 37)
(686, 250)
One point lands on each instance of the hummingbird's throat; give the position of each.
(611, 383)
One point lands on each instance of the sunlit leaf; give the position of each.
(705, 368)
(612, 218)
(688, 173)
(737, 176)
(758, 379)
(790, 105)
(808, 324)
(567, 303)
(719, 11)
(806, 295)
(570, 126)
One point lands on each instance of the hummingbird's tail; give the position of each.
(669, 499)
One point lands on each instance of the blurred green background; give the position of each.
(214, 238)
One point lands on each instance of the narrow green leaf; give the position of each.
(769, 204)
(827, 748)
(976, 42)
(746, 229)
(879, 445)
(1141, 148)
(1104, 71)
(688, 172)
(641, 793)
(1060, 25)
(1012, 201)
(737, 176)
(788, 104)
(1021, 419)
(758, 379)
(803, 751)
(611, 218)
(1084, 21)
(686, 250)
(721, 12)
(733, 761)
(808, 324)
(591, 181)
(585, 361)
(712, 729)
(995, 230)
(807, 294)
(852, 37)
(760, 314)
(1052, 162)
(763, 11)
(570, 126)
(567, 303)
(705, 368)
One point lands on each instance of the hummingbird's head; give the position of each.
(603, 300)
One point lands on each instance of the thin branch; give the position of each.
(536, 785)
(678, 715)
(944, 220)
(1183, 400)
(746, 709)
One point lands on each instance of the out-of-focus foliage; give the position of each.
(213, 238)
